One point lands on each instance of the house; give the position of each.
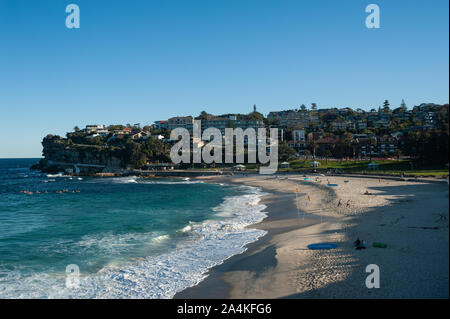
(186, 122)
(402, 116)
(290, 118)
(298, 142)
(231, 121)
(361, 124)
(124, 131)
(296, 145)
(159, 137)
(382, 123)
(94, 128)
(387, 145)
(372, 117)
(339, 125)
(142, 135)
(96, 134)
(326, 143)
(313, 119)
(365, 145)
(161, 125)
(298, 135)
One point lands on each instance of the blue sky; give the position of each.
(141, 61)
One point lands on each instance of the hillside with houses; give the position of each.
(419, 133)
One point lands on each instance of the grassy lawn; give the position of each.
(385, 167)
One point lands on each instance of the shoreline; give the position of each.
(278, 265)
(283, 216)
(260, 250)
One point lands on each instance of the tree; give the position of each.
(255, 116)
(76, 129)
(156, 151)
(115, 127)
(314, 106)
(133, 154)
(386, 105)
(285, 152)
(303, 107)
(398, 153)
(403, 105)
(203, 116)
(344, 147)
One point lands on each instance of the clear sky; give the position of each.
(140, 61)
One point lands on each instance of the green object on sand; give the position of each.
(379, 245)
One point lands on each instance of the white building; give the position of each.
(298, 135)
(298, 141)
(95, 128)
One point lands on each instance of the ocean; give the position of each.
(128, 237)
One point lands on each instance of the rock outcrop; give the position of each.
(62, 156)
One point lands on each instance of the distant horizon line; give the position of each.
(3, 158)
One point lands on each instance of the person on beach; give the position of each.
(348, 203)
(360, 244)
(339, 203)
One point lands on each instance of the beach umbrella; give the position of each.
(314, 164)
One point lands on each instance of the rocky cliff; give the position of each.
(63, 156)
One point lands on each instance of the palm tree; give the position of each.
(398, 153)
(327, 154)
(307, 153)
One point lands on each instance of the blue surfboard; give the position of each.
(322, 246)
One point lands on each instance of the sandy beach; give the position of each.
(410, 217)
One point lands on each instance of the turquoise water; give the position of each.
(130, 237)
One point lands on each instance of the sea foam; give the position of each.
(208, 244)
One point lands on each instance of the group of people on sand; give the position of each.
(346, 204)
(46, 192)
